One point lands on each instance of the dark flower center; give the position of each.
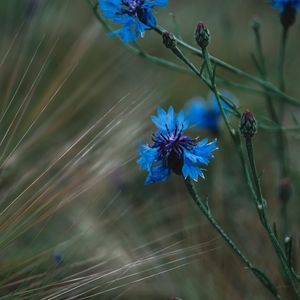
(171, 147)
(132, 7)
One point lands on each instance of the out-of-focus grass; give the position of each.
(74, 108)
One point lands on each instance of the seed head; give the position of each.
(248, 125)
(202, 35)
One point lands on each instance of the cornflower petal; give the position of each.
(280, 4)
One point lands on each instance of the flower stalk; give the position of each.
(280, 137)
(204, 207)
(261, 209)
(280, 96)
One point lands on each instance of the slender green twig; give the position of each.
(215, 91)
(261, 66)
(213, 87)
(279, 128)
(263, 217)
(284, 170)
(163, 62)
(235, 136)
(207, 213)
(268, 85)
(281, 140)
(281, 59)
(137, 50)
(234, 70)
(259, 198)
(280, 95)
(198, 72)
(283, 144)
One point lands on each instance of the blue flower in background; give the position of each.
(281, 4)
(135, 15)
(206, 114)
(58, 259)
(171, 150)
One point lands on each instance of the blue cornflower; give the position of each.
(206, 114)
(283, 4)
(171, 150)
(58, 259)
(135, 15)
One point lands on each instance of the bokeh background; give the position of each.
(76, 220)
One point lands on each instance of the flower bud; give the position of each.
(256, 23)
(169, 40)
(202, 35)
(248, 125)
(288, 16)
(285, 190)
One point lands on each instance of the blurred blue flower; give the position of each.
(206, 114)
(58, 259)
(281, 4)
(135, 15)
(171, 150)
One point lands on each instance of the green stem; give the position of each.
(214, 89)
(263, 217)
(284, 170)
(138, 50)
(217, 61)
(199, 74)
(281, 140)
(206, 211)
(234, 135)
(234, 69)
(279, 128)
(281, 60)
(260, 205)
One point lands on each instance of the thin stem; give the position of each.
(284, 170)
(281, 60)
(214, 89)
(279, 128)
(261, 204)
(138, 50)
(281, 140)
(234, 69)
(234, 135)
(199, 74)
(284, 167)
(207, 212)
(280, 95)
(258, 197)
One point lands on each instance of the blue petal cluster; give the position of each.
(281, 4)
(135, 15)
(206, 114)
(171, 150)
(58, 258)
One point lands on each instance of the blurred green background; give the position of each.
(76, 220)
